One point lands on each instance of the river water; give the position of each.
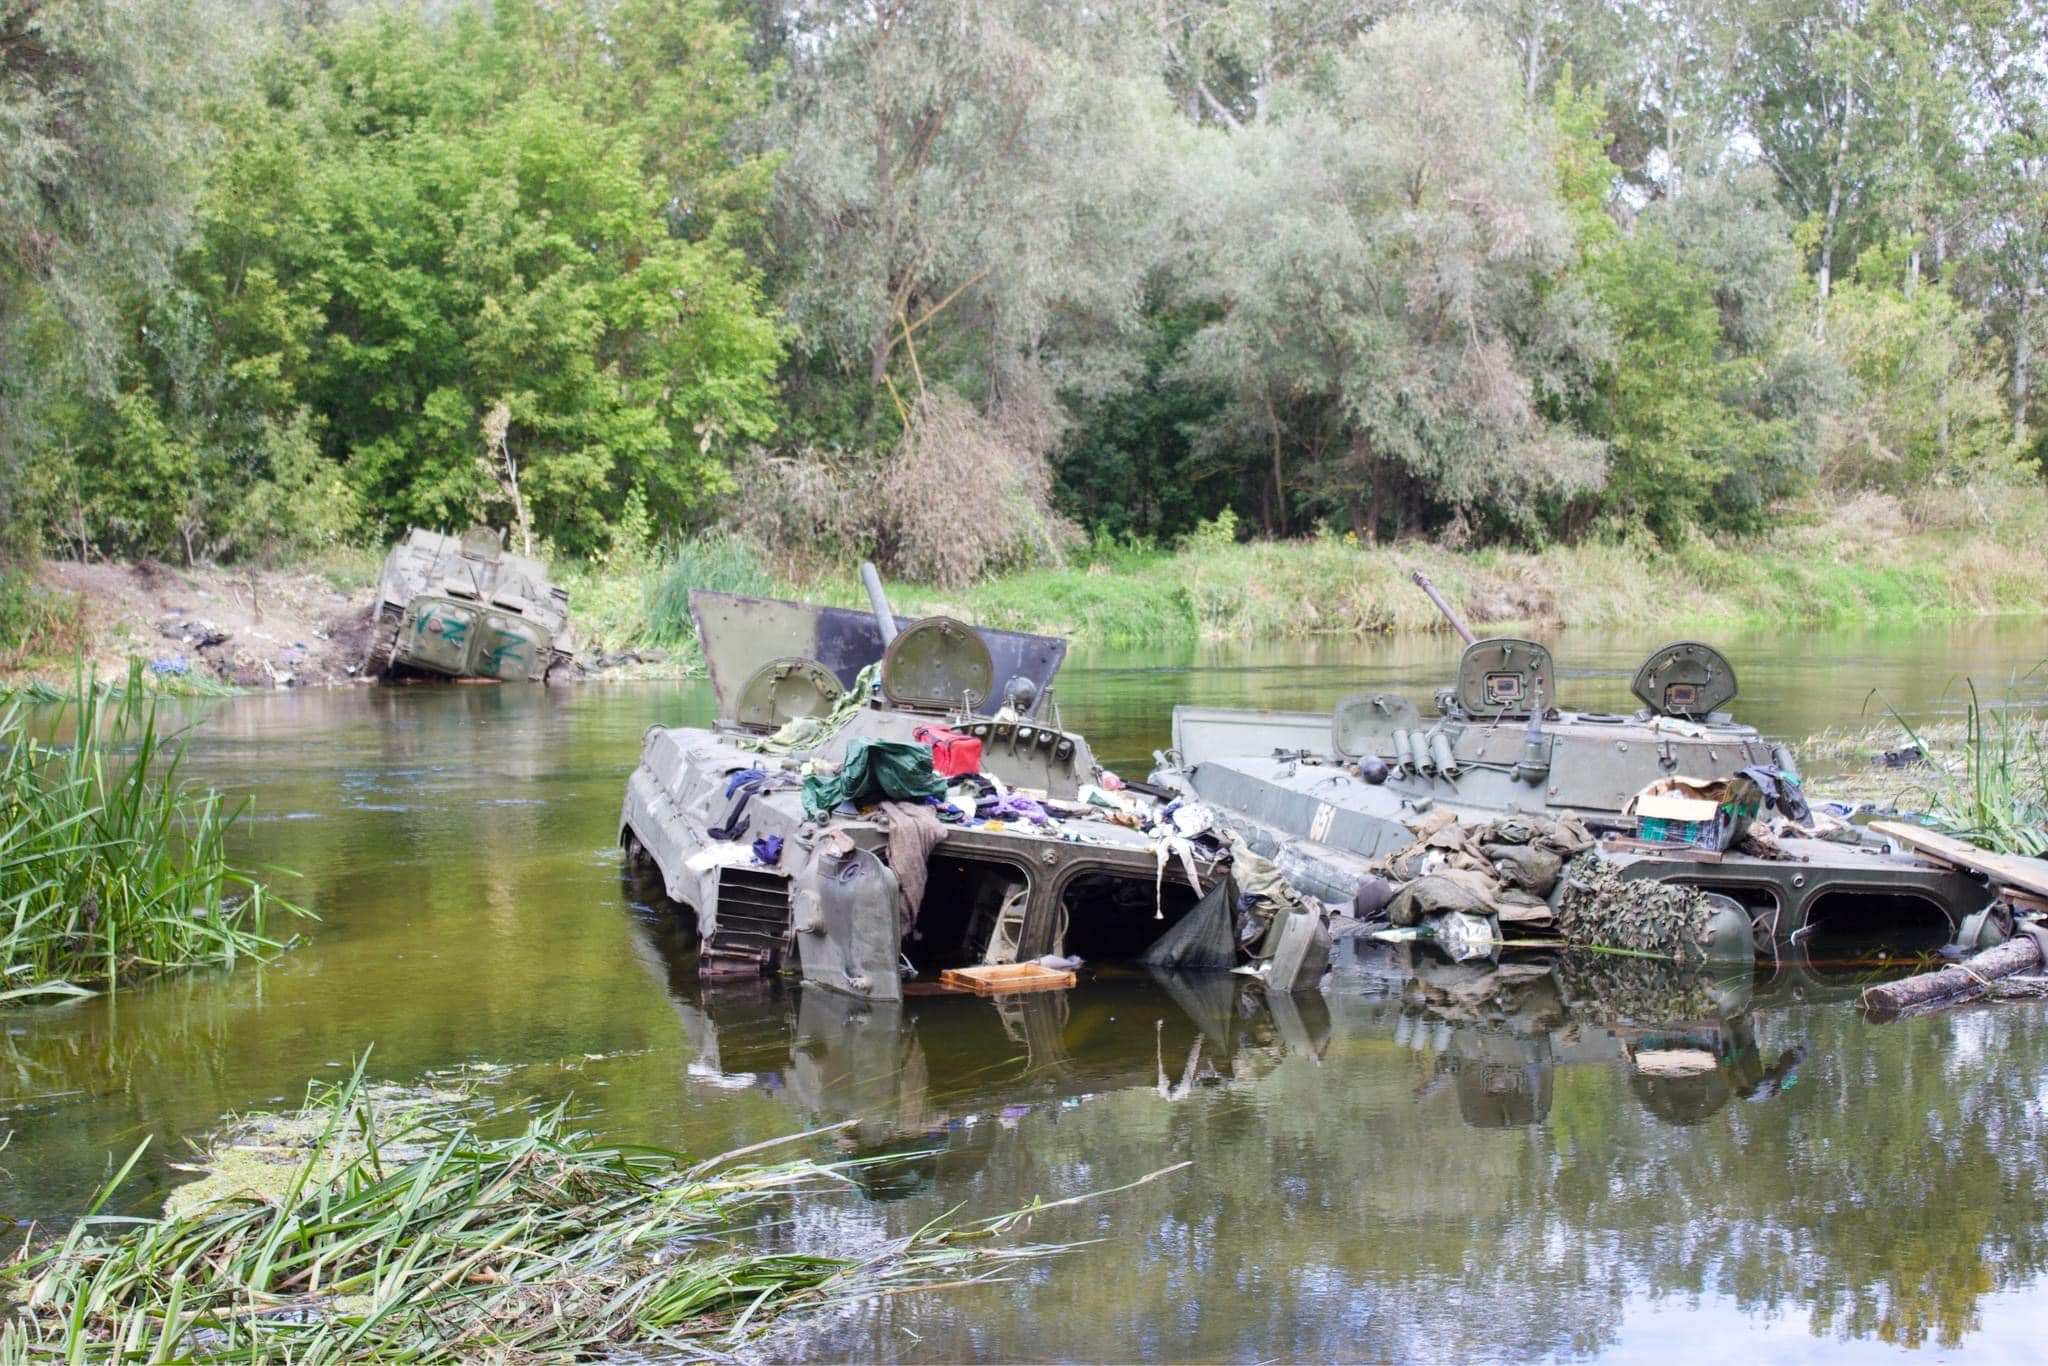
(1561, 1158)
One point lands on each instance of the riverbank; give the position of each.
(1867, 559)
(1861, 560)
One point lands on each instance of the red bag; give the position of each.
(953, 755)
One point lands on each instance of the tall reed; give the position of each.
(112, 866)
(1996, 795)
(394, 1231)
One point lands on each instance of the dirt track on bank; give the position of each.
(251, 628)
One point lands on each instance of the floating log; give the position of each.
(2019, 954)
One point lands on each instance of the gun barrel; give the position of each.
(1422, 581)
(884, 618)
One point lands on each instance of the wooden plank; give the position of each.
(994, 979)
(1683, 853)
(2010, 870)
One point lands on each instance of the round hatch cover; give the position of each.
(783, 690)
(937, 663)
(1365, 722)
(1685, 678)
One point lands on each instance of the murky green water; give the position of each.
(1421, 1162)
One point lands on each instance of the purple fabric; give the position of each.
(768, 850)
(1011, 808)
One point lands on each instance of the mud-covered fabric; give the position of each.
(1528, 867)
(913, 829)
(873, 771)
(1564, 835)
(1437, 894)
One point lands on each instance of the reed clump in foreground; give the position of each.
(381, 1225)
(112, 867)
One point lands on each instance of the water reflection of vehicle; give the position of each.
(1501, 1028)
(938, 1072)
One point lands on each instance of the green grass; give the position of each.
(642, 602)
(35, 623)
(1994, 792)
(112, 867)
(393, 1230)
(720, 563)
(1858, 562)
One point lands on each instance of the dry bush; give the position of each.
(815, 510)
(965, 495)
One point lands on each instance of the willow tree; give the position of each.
(97, 150)
(1389, 259)
(965, 199)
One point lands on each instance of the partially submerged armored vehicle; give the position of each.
(875, 802)
(1329, 794)
(465, 607)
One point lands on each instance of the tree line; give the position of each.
(944, 281)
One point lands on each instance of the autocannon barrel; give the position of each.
(884, 618)
(1421, 581)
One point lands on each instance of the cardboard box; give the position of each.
(1700, 814)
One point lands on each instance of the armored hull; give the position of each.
(810, 830)
(464, 607)
(1331, 796)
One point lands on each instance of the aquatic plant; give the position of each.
(112, 867)
(377, 1224)
(1994, 791)
(1999, 800)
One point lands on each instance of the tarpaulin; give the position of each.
(874, 771)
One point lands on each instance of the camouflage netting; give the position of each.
(1597, 906)
(1638, 991)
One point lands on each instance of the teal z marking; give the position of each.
(452, 629)
(506, 651)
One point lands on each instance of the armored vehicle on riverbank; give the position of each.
(875, 802)
(465, 607)
(1331, 796)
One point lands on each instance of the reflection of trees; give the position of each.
(1341, 1209)
(456, 849)
(1886, 1193)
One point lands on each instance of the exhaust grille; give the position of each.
(752, 917)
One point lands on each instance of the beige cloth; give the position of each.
(913, 829)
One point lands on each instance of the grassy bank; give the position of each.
(1861, 560)
(1867, 559)
(1854, 562)
(382, 1225)
(111, 866)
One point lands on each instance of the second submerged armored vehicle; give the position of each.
(1328, 794)
(465, 607)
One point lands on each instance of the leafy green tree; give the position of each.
(1131, 465)
(97, 151)
(406, 227)
(968, 199)
(1926, 407)
(1387, 268)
